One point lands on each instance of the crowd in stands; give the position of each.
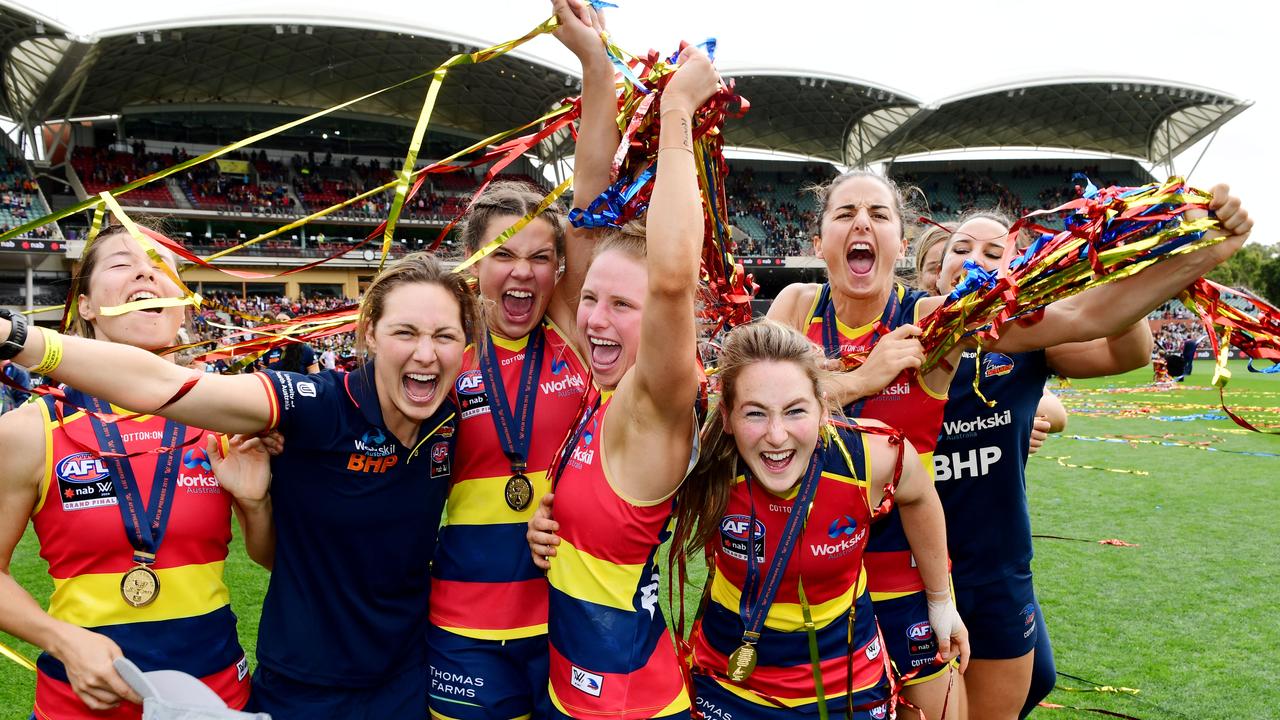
(20, 198)
(254, 311)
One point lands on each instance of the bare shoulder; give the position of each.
(929, 304)
(792, 303)
(22, 438)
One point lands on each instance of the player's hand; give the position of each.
(87, 657)
(899, 350)
(1039, 433)
(542, 533)
(953, 636)
(1234, 219)
(580, 28)
(695, 81)
(242, 466)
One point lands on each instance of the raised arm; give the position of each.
(1110, 309)
(135, 379)
(598, 137)
(656, 397)
(1128, 350)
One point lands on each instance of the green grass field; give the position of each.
(1186, 617)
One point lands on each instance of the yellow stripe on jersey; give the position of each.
(751, 697)
(787, 617)
(94, 599)
(480, 501)
(487, 634)
(585, 577)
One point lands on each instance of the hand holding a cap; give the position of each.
(88, 658)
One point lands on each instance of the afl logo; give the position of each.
(439, 452)
(470, 382)
(735, 527)
(81, 468)
(920, 631)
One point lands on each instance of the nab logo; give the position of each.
(844, 525)
(81, 468)
(470, 382)
(920, 631)
(196, 458)
(996, 364)
(588, 682)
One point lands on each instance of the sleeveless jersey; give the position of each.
(190, 626)
(827, 558)
(981, 462)
(611, 655)
(905, 404)
(484, 583)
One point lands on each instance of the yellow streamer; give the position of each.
(13, 655)
(497, 242)
(148, 246)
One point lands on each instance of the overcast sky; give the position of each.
(929, 49)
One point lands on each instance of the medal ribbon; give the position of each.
(591, 400)
(143, 525)
(753, 615)
(515, 430)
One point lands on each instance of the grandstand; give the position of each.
(150, 105)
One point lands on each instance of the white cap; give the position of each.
(174, 690)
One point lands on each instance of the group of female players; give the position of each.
(866, 532)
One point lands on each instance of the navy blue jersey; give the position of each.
(980, 464)
(356, 516)
(291, 358)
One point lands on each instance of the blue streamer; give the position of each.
(975, 279)
(606, 209)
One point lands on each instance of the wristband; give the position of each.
(937, 595)
(52, 353)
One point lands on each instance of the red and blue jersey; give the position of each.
(356, 514)
(611, 654)
(906, 404)
(981, 464)
(189, 627)
(827, 560)
(484, 583)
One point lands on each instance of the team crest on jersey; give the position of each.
(84, 482)
(735, 539)
(472, 399)
(920, 641)
(995, 364)
(470, 382)
(588, 682)
(1028, 614)
(879, 712)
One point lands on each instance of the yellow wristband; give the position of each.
(52, 352)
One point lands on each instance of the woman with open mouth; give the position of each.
(782, 500)
(860, 233)
(75, 474)
(518, 396)
(356, 496)
(611, 654)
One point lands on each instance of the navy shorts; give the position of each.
(473, 679)
(1001, 616)
(904, 622)
(401, 696)
(718, 703)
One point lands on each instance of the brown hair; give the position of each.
(89, 262)
(932, 235)
(423, 268)
(704, 495)
(508, 197)
(822, 194)
(991, 214)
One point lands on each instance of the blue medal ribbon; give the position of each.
(758, 598)
(144, 525)
(515, 429)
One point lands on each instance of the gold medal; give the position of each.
(140, 586)
(519, 492)
(742, 662)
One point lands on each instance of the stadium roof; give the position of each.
(240, 55)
